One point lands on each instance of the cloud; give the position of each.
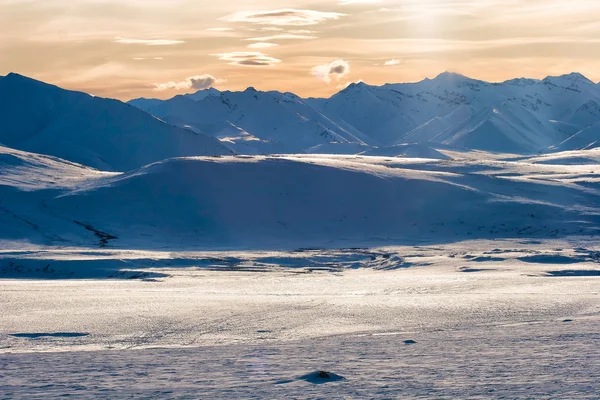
(196, 82)
(148, 42)
(270, 29)
(344, 2)
(248, 58)
(283, 17)
(219, 29)
(392, 62)
(281, 37)
(300, 31)
(262, 45)
(144, 58)
(334, 70)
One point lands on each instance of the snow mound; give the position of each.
(338, 148)
(413, 150)
(582, 157)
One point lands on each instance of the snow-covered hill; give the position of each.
(102, 133)
(410, 150)
(579, 157)
(517, 116)
(293, 201)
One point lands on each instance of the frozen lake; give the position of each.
(502, 319)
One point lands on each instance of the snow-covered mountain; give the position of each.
(522, 116)
(102, 133)
(275, 120)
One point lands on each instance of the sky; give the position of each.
(156, 48)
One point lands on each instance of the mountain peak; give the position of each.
(360, 85)
(14, 77)
(521, 82)
(30, 87)
(444, 76)
(573, 77)
(203, 93)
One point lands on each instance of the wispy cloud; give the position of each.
(196, 82)
(334, 70)
(262, 45)
(281, 37)
(269, 29)
(284, 17)
(248, 58)
(221, 29)
(144, 58)
(301, 31)
(148, 42)
(392, 62)
(344, 2)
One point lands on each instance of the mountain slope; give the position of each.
(588, 138)
(101, 133)
(587, 114)
(437, 125)
(504, 128)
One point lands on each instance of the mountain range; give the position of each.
(521, 116)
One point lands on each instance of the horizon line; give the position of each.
(351, 84)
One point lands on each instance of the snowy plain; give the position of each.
(490, 319)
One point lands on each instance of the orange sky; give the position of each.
(152, 48)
